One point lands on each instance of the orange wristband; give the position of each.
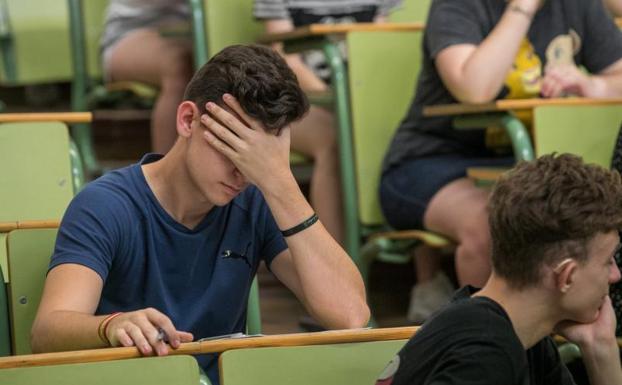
(103, 326)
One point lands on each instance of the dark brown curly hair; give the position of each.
(546, 210)
(258, 78)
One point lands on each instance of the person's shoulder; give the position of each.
(116, 183)
(478, 317)
(113, 195)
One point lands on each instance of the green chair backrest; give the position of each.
(588, 131)
(93, 12)
(35, 42)
(230, 22)
(178, 370)
(338, 364)
(36, 172)
(383, 70)
(29, 258)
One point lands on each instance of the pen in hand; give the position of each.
(162, 335)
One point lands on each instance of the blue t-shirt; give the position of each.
(200, 278)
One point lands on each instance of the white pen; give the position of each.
(162, 335)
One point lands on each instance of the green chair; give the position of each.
(36, 166)
(378, 101)
(178, 370)
(34, 45)
(86, 24)
(36, 170)
(337, 364)
(218, 24)
(37, 173)
(28, 259)
(588, 131)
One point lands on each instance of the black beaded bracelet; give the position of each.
(301, 226)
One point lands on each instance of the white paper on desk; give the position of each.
(230, 336)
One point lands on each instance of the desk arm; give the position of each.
(523, 150)
(519, 136)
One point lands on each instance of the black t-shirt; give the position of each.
(562, 31)
(472, 342)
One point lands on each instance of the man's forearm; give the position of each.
(331, 285)
(66, 330)
(602, 362)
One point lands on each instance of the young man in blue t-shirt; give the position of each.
(172, 244)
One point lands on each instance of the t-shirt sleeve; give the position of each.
(89, 232)
(451, 23)
(270, 9)
(602, 40)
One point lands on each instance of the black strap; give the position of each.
(301, 226)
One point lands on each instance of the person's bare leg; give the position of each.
(427, 262)
(315, 136)
(458, 210)
(147, 57)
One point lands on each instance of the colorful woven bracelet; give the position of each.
(103, 326)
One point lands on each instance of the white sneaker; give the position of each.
(428, 297)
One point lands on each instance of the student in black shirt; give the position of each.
(554, 225)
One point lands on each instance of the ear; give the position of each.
(565, 274)
(187, 116)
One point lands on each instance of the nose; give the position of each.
(614, 274)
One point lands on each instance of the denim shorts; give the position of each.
(406, 190)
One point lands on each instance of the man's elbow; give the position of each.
(36, 344)
(357, 317)
(473, 93)
(475, 96)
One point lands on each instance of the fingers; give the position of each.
(148, 330)
(228, 120)
(224, 134)
(219, 145)
(185, 337)
(233, 103)
(563, 80)
(138, 336)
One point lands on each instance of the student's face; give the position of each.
(212, 173)
(591, 280)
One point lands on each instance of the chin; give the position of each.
(587, 318)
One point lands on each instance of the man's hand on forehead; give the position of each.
(257, 154)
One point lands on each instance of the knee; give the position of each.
(474, 246)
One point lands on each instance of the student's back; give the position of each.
(451, 350)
